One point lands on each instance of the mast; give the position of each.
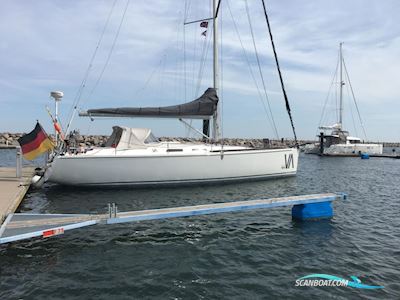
(215, 68)
(341, 86)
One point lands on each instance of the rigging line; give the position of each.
(201, 62)
(194, 62)
(247, 60)
(327, 97)
(180, 60)
(336, 89)
(351, 111)
(111, 50)
(221, 63)
(354, 99)
(197, 48)
(89, 128)
(185, 17)
(280, 74)
(206, 49)
(216, 13)
(337, 97)
(193, 67)
(160, 64)
(336, 102)
(187, 133)
(175, 61)
(184, 63)
(163, 73)
(160, 67)
(261, 74)
(186, 10)
(86, 75)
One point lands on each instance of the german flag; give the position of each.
(35, 143)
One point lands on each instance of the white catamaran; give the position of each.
(338, 142)
(132, 156)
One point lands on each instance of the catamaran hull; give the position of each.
(173, 169)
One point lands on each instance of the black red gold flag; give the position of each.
(35, 143)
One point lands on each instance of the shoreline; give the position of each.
(9, 140)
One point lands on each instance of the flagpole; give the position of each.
(56, 117)
(57, 96)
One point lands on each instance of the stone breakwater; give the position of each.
(10, 140)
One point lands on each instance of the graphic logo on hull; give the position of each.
(289, 162)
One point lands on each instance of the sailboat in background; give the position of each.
(333, 139)
(133, 156)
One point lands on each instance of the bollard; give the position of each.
(18, 162)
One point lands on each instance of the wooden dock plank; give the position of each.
(12, 189)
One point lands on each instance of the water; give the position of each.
(246, 255)
(8, 159)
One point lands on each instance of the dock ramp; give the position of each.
(19, 226)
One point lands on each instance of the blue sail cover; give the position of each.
(203, 107)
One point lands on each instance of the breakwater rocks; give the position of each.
(254, 143)
(10, 140)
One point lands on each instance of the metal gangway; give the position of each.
(20, 226)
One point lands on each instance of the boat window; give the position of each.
(115, 137)
(151, 139)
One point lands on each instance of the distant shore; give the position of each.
(9, 140)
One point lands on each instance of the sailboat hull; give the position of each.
(173, 168)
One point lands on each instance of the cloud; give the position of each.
(47, 45)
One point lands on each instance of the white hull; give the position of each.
(354, 149)
(155, 167)
(346, 149)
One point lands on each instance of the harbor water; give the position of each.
(244, 255)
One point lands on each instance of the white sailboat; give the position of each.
(132, 156)
(333, 139)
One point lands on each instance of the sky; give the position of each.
(157, 61)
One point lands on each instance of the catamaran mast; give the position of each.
(341, 87)
(215, 68)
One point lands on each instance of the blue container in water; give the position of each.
(364, 156)
(312, 211)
